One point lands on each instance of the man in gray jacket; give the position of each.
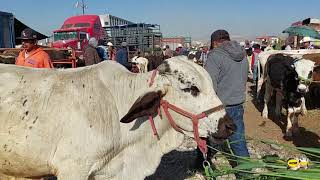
(228, 67)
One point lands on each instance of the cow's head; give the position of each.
(304, 70)
(189, 87)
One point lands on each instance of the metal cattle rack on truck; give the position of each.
(7, 33)
(144, 37)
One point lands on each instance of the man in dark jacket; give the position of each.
(228, 67)
(90, 53)
(122, 56)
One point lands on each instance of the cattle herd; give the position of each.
(91, 123)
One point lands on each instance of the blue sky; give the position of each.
(195, 18)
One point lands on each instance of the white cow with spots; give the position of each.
(67, 122)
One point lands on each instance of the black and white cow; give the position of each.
(290, 78)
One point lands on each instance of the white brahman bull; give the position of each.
(67, 122)
(141, 63)
(290, 78)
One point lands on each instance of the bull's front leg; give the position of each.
(303, 106)
(295, 124)
(289, 122)
(279, 98)
(267, 97)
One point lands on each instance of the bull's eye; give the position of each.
(310, 75)
(194, 90)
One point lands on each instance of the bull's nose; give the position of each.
(303, 91)
(227, 124)
(302, 88)
(231, 126)
(225, 128)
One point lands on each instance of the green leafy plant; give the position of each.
(274, 167)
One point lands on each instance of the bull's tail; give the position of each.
(262, 76)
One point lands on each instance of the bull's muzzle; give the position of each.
(302, 88)
(225, 128)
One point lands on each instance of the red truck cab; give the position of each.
(76, 31)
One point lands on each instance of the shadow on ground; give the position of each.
(176, 165)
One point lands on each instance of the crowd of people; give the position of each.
(100, 50)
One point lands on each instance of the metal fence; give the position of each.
(7, 33)
(145, 37)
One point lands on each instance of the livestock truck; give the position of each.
(76, 31)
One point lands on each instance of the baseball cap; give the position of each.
(124, 44)
(305, 39)
(28, 34)
(220, 35)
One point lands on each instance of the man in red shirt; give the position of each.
(254, 62)
(32, 55)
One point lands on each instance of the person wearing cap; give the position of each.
(179, 49)
(228, 67)
(255, 61)
(102, 50)
(111, 51)
(32, 55)
(306, 43)
(90, 54)
(167, 52)
(204, 55)
(122, 56)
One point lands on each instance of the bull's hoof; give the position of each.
(295, 131)
(287, 138)
(265, 114)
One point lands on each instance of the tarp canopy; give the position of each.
(302, 31)
(19, 27)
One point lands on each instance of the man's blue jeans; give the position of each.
(237, 139)
(255, 73)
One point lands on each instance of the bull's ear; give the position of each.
(144, 106)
